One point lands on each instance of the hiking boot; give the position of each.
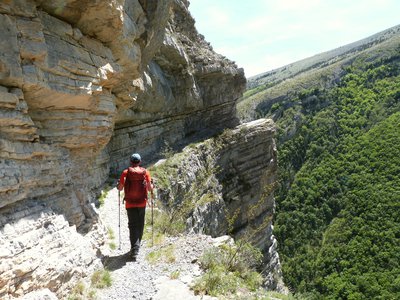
(133, 255)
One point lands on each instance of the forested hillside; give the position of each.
(338, 201)
(322, 71)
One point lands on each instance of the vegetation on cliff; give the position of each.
(338, 205)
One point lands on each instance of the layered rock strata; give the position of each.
(39, 248)
(75, 75)
(225, 185)
(191, 92)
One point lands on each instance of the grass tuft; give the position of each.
(78, 292)
(101, 279)
(165, 254)
(175, 274)
(110, 233)
(104, 193)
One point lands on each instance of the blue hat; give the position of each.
(135, 157)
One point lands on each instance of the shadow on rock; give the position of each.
(113, 263)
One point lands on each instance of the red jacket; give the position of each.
(149, 188)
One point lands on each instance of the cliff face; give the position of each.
(71, 73)
(84, 84)
(190, 92)
(225, 185)
(65, 71)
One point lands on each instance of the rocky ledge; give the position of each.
(225, 185)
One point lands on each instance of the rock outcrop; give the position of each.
(191, 92)
(225, 185)
(40, 249)
(82, 85)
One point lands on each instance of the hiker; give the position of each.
(136, 182)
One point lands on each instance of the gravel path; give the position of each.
(140, 279)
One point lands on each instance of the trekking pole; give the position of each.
(119, 220)
(152, 219)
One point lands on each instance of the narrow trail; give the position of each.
(141, 279)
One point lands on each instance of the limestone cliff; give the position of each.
(83, 84)
(190, 92)
(225, 185)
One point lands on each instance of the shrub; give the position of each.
(217, 281)
(167, 151)
(228, 269)
(101, 279)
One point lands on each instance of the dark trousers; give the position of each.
(136, 226)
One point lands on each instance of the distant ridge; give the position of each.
(320, 71)
(321, 59)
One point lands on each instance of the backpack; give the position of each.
(135, 187)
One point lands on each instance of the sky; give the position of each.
(261, 35)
